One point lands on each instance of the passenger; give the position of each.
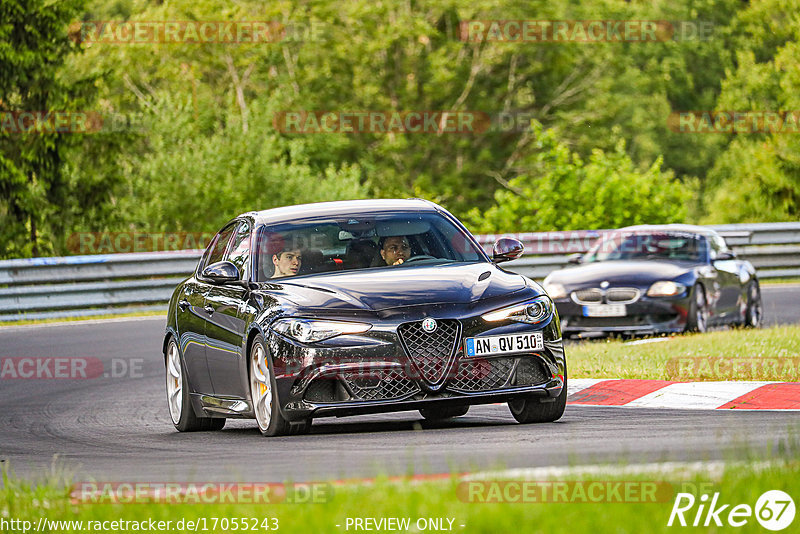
(395, 250)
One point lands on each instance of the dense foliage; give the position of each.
(191, 135)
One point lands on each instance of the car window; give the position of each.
(239, 253)
(220, 244)
(679, 246)
(331, 244)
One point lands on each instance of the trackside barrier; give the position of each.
(772, 248)
(40, 288)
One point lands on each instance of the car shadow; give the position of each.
(353, 426)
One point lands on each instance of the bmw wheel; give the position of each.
(697, 319)
(755, 308)
(264, 397)
(180, 407)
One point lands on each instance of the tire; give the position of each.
(697, 319)
(444, 412)
(533, 410)
(266, 408)
(178, 402)
(754, 312)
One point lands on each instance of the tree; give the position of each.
(758, 177)
(35, 188)
(561, 191)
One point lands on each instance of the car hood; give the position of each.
(621, 272)
(386, 288)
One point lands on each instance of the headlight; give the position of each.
(312, 330)
(665, 288)
(532, 312)
(556, 291)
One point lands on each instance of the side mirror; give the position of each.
(723, 256)
(575, 258)
(506, 249)
(221, 272)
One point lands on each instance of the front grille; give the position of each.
(431, 353)
(482, 375)
(587, 296)
(622, 295)
(530, 372)
(379, 384)
(617, 295)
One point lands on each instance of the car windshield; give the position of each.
(678, 246)
(360, 242)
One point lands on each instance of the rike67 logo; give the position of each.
(774, 510)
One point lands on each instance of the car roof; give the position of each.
(340, 208)
(687, 228)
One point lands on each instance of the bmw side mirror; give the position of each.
(506, 249)
(221, 272)
(575, 258)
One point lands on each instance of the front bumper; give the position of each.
(371, 373)
(645, 316)
(303, 409)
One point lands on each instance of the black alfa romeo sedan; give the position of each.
(656, 279)
(346, 308)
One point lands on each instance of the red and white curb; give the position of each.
(684, 395)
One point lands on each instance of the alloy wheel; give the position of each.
(174, 382)
(261, 387)
(755, 308)
(701, 310)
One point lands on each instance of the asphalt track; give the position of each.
(117, 428)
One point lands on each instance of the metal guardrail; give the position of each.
(39, 288)
(772, 248)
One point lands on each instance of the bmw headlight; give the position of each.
(533, 311)
(666, 288)
(556, 291)
(313, 330)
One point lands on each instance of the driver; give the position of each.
(287, 262)
(395, 250)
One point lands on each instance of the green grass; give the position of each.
(775, 281)
(446, 499)
(738, 354)
(83, 318)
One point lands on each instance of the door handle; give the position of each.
(183, 304)
(209, 309)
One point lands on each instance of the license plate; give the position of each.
(483, 346)
(604, 310)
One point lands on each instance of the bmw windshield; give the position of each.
(674, 246)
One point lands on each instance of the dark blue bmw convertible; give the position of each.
(656, 279)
